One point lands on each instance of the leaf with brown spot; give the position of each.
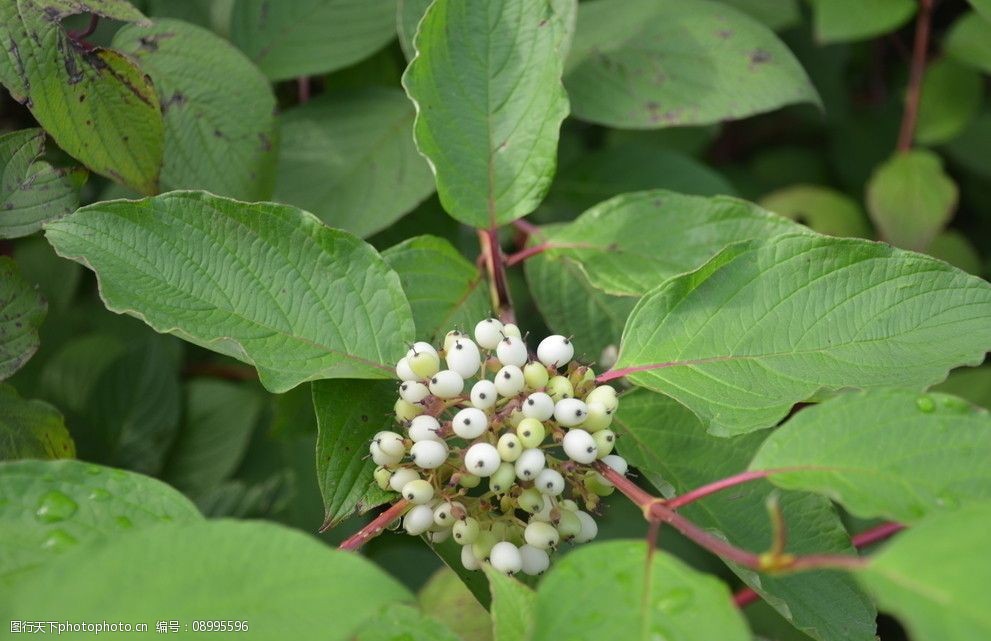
(22, 309)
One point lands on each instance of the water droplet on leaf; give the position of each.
(58, 541)
(124, 522)
(925, 404)
(55, 506)
(99, 494)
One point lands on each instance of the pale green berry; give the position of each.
(484, 394)
(530, 500)
(569, 525)
(512, 351)
(541, 535)
(381, 458)
(558, 388)
(509, 447)
(568, 504)
(482, 459)
(535, 375)
(466, 531)
(429, 455)
(506, 557)
(421, 347)
(382, 477)
(468, 559)
(418, 492)
(500, 530)
(424, 428)
(600, 489)
(464, 358)
(403, 370)
(444, 513)
(413, 391)
(390, 443)
(424, 364)
(406, 411)
(589, 528)
(509, 329)
(545, 511)
(483, 544)
(503, 478)
(617, 463)
(468, 481)
(605, 441)
(470, 423)
(531, 433)
(549, 482)
(604, 394)
(599, 418)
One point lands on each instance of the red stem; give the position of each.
(716, 486)
(303, 89)
(620, 373)
(523, 254)
(526, 227)
(913, 94)
(374, 527)
(86, 32)
(495, 264)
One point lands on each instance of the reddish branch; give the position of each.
(495, 265)
(716, 486)
(374, 527)
(913, 93)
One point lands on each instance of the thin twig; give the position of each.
(527, 252)
(495, 265)
(86, 32)
(913, 94)
(374, 527)
(716, 486)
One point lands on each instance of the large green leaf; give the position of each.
(22, 309)
(486, 81)
(403, 623)
(634, 599)
(983, 7)
(885, 453)
(670, 446)
(664, 63)
(776, 14)
(220, 417)
(845, 20)
(951, 98)
(765, 325)
(31, 190)
(936, 576)
(631, 243)
(349, 413)
(48, 508)
(446, 598)
(512, 606)
(96, 103)
(309, 37)
(911, 198)
(265, 283)
(444, 289)
(218, 109)
(825, 210)
(408, 16)
(31, 429)
(968, 42)
(349, 158)
(284, 583)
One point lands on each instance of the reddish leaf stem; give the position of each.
(917, 68)
(374, 527)
(716, 486)
(495, 265)
(88, 30)
(527, 252)
(526, 227)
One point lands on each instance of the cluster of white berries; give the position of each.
(498, 446)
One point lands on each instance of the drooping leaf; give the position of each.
(888, 453)
(967, 41)
(218, 109)
(349, 158)
(633, 599)
(486, 81)
(289, 39)
(765, 325)
(282, 582)
(349, 413)
(910, 199)
(670, 446)
(936, 576)
(403, 623)
(445, 290)
(825, 210)
(48, 508)
(22, 309)
(31, 190)
(513, 606)
(447, 599)
(631, 243)
(31, 429)
(265, 283)
(647, 64)
(951, 97)
(846, 20)
(956, 249)
(219, 419)
(96, 103)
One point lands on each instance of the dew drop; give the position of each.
(92, 469)
(58, 541)
(124, 522)
(99, 494)
(55, 506)
(925, 404)
(674, 601)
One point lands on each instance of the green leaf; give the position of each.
(403, 623)
(633, 242)
(951, 97)
(513, 606)
(444, 289)
(219, 419)
(971, 383)
(447, 599)
(289, 39)
(955, 248)
(96, 103)
(936, 576)
(450, 553)
(968, 41)
(409, 14)
(218, 109)
(775, 14)
(911, 198)
(486, 82)
(349, 158)
(284, 583)
(828, 606)
(56, 279)
(646, 64)
(968, 149)
(48, 508)
(267, 284)
(634, 598)
(22, 309)
(31, 190)
(848, 20)
(766, 325)
(983, 7)
(825, 210)
(349, 413)
(31, 429)
(888, 453)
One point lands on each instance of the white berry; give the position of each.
(464, 358)
(482, 459)
(404, 372)
(413, 391)
(446, 384)
(604, 394)
(401, 477)
(452, 336)
(509, 381)
(418, 492)
(541, 535)
(381, 458)
(470, 423)
(468, 559)
(390, 443)
(506, 557)
(539, 406)
(555, 351)
(535, 560)
(530, 463)
(424, 428)
(580, 446)
(419, 348)
(549, 482)
(589, 528)
(569, 412)
(418, 520)
(444, 513)
(488, 333)
(512, 351)
(428, 455)
(509, 329)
